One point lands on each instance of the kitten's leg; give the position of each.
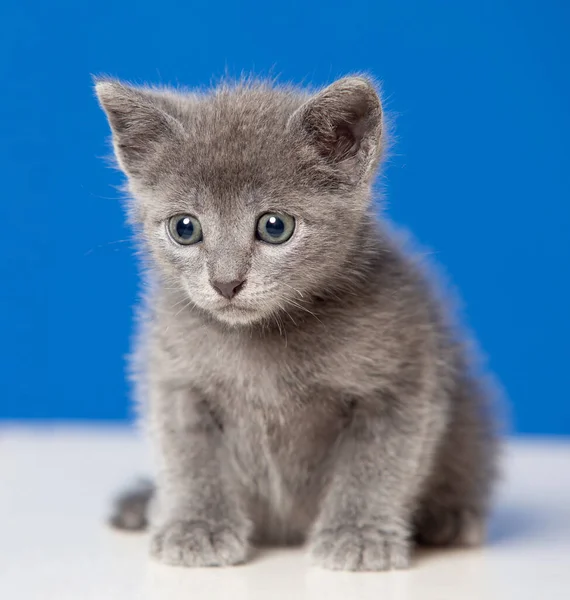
(130, 508)
(455, 502)
(199, 519)
(365, 521)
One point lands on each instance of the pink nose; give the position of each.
(229, 289)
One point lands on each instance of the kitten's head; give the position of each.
(251, 197)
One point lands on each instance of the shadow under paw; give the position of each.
(460, 527)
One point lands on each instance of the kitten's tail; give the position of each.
(130, 509)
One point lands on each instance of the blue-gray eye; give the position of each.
(275, 228)
(185, 229)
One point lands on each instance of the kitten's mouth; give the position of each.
(234, 313)
(233, 306)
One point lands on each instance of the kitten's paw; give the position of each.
(198, 544)
(359, 549)
(447, 527)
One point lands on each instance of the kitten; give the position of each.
(300, 379)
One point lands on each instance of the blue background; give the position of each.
(480, 171)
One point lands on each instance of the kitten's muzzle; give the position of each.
(228, 289)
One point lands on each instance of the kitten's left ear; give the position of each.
(343, 125)
(140, 124)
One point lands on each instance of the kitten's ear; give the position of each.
(343, 124)
(138, 122)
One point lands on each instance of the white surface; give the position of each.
(55, 487)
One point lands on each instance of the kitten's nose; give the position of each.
(230, 289)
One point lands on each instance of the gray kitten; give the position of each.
(298, 375)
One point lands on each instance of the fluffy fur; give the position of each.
(328, 401)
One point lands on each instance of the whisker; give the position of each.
(183, 308)
(278, 323)
(289, 315)
(106, 244)
(292, 288)
(299, 306)
(178, 303)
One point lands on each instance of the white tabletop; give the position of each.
(55, 486)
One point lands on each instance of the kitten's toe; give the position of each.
(359, 549)
(448, 527)
(130, 509)
(198, 544)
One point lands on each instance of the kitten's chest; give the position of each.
(280, 458)
(276, 415)
(242, 375)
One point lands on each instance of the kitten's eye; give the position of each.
(185, 229)
(275, 228)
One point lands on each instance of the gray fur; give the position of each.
(330, 400)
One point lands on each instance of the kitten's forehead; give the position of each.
(238, 139)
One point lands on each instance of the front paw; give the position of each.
(359, 549)
(198, 544)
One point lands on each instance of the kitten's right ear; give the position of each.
(139, 125)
